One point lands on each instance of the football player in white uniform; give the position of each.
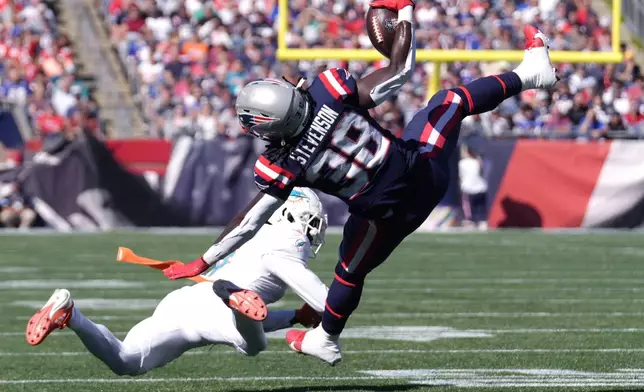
(201, 315)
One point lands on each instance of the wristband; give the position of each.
(406, 14)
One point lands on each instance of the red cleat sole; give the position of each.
(43, 322)
(248, 303)
(39, 326)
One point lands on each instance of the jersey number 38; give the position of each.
(356, 151)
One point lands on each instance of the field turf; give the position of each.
(504, 311)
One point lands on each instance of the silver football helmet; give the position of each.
(273, 110)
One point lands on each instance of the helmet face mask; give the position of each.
(303, 209)
(272, 110)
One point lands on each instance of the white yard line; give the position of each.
(19, 288)
(187, 379)
(525, 290)
(429, 315)
(449, 315)
(504, 281)
(536, 300)
(18, 270)
(406, 328)
(359, 352)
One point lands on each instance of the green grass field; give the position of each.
(502, 311)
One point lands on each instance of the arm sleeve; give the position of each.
(384, 90)
(304, 282)
(273, 179)
(249, 226)
(337, 83)
(278, 319)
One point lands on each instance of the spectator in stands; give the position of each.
(63, 99)
(527, 121)
(206, 122)
(209, 49)
(473, 189)
(495, 125)
(14, 210)
(615, 128)
(37, 66)
(14, 87)
(634, 116)
(48, 122)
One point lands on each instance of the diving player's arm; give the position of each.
(290, 267)
(241, 229)
(379, 85)
(292, 270)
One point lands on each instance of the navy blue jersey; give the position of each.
(340, 152)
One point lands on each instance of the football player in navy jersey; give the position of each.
(323, 138)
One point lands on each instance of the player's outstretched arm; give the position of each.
(293, 271)
(241, 229)
(376, 87)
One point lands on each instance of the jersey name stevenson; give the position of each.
(322, 123)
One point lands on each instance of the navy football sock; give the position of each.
(485, 94)
(343, 298)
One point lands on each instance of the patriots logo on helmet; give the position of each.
(250, 120)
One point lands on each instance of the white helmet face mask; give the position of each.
(304, 209)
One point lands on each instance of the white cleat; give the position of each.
(316, 343)
(536, 70)
(54, 315)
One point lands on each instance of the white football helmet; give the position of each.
(304, 209)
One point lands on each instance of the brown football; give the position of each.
(381, 28)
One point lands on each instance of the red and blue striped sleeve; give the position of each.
(272, 179)
(339, 83)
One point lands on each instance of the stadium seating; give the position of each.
(39, 70)
(188, 59)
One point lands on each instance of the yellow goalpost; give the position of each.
(437, 57)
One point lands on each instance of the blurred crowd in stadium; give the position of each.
(187, 59)
(38, 70)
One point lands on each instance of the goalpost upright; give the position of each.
(437, 57)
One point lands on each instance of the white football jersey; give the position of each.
(272, 261)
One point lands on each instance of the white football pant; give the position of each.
(187, 318)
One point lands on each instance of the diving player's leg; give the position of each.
(150, 344)
(253, 339)
(534, 72)
(441, 118)
(223, 325)
(365, 245)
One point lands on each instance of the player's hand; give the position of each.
(189, 270)
(394, 5)
(307, 316)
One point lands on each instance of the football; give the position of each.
(381, 28)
